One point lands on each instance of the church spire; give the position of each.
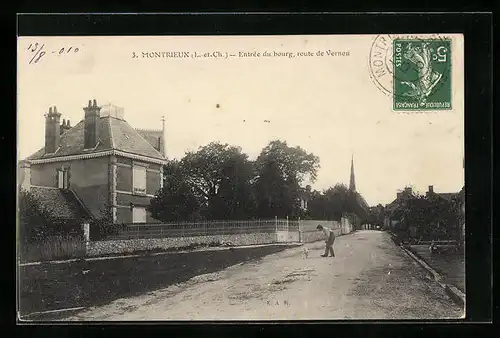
(352, 182)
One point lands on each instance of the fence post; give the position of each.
(86, 236)
(300, 235)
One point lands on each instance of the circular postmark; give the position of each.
(412, 71)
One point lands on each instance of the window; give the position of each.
(139, 179)
(139, 215)
(62, 179)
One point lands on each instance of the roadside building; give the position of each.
(101, 162)
(393, 216)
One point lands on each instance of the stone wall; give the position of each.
(310, 225)
(98, 248)
(313, 236)
(309, 233)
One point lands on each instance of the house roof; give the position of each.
(362, 202)
(152, 137)
(60, 203)
(114, 134)
(448, 195)
(361, 206)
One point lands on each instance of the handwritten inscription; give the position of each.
(38, 51)
(240, 54)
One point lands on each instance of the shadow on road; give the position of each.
(90, 283)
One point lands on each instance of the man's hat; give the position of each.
(319, 227)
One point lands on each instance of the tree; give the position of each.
(280, 171)
(340, 201)
(426, 217)
(331, 204)
(377, 215)
(176, 201)
(221, 176)
(318, 206)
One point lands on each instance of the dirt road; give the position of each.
(370, 278)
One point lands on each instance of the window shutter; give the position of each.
(60, 179)
(139, 215)
(139, 179)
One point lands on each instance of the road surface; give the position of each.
(370, 278)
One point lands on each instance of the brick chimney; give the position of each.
(52, 130)
(65, 126)
(91, 126)
(430, 191)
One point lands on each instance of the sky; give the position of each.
(328, 105)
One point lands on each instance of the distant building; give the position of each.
(100, 162)
(431, 194)
(392, 218)
(394, 215)
(305, 197)
(457, 201)
(360, 208)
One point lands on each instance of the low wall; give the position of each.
(97, 248)
(310, 234)
(310, 225)
(313, 236)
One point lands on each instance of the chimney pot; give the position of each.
(67, 123)
(50, 110)
(64, 122)
(431, 188)
(90, 103)
(95, 103)
(55, 109)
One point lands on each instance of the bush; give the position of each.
(43, 236)
(55, 247)
(101, 229)
(37, 224)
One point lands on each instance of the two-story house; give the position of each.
(101, 162)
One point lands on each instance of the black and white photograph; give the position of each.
(240, 178)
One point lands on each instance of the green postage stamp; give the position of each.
(422, 74)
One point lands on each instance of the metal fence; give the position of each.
(206, 228)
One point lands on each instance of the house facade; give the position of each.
(392, 219)
(102, 162)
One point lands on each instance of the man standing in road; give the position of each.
(330, 238)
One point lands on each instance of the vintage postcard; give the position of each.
(297, 177)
